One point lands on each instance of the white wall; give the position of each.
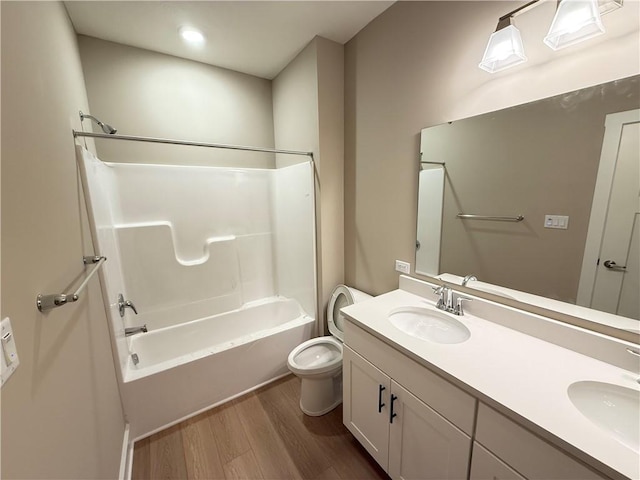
(416, 66)
(145, 93)
(292, 191)
(61, 411)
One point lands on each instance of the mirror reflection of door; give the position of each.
(429, 231)
(610, 279)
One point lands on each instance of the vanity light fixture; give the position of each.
(191, 35)
(574, 21)
(504, 49)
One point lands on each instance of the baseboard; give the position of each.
(126, 457)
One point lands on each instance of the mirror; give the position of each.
(540, 161)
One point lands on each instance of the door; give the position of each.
(423, 444)
(610, 268)
(366, 405)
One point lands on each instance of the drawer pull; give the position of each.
(381, 388)
(391, 412)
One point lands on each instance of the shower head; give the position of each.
(106, 128)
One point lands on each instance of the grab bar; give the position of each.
(47, 302)
(463, 216)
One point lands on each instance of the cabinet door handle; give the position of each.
(391, 413)
(381, 389)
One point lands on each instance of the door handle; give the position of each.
(391, 412)
(611, 265)
(381, 388)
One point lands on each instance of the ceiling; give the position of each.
(255, 37)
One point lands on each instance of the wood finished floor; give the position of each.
(261, 435)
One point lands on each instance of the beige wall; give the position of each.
(415, 66)
(145, 93)
(308, 116)
(295, 105)
(61, 412)
(331, 164)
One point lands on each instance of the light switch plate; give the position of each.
(556, 221)
(9, 360)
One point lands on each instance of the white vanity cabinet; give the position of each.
(499, 405)
(523, 451)
(366, 404)
(399, 427)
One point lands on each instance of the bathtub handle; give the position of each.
(122, 304)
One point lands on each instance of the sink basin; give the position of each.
(613, 408)
(428, 324)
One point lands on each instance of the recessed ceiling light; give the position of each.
(191, 35)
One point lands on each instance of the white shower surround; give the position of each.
(197, 250)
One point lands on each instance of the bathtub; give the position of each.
(188, 368)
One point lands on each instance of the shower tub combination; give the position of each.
(219, 264)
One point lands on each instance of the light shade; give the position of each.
(504, 50)
(575, 21)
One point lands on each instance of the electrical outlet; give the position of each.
(403, 267)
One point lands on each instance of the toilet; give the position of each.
(318, 362)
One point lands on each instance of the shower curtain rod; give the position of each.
(192, 144)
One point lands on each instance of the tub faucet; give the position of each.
(122, 304)
(133, 330)
(467, 279)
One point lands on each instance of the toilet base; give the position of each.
(319, 396)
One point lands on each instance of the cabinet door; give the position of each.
(486, 466)
(423, 444)
(525, 452)
(366, 393)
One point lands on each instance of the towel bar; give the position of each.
(464, 216)
(47, 302)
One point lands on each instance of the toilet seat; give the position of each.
(341, 297)
(316, 356)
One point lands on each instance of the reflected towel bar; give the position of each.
(47, 302)
(464, 216)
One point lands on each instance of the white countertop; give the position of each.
(518, 372)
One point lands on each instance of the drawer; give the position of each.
(445, 398)
(525, 452)
(486, 466)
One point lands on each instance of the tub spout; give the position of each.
(133, 330)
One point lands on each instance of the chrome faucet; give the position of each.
(122, 304)
(440, 291)
(467, 279)
(133, 330)
(449, 301)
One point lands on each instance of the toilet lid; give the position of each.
(342, 296)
